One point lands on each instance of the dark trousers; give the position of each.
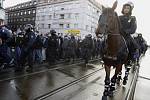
(132, 46)
(26, 56)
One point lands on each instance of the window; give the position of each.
(97, 11)
(68, 26)
(33, 11)
(50, 17)
(76, 15)
(34, 3)
(76, 25)
(62, 16)
(0, 5)
(69, 15)
(29, 12)
(43, 17)
(50, 9)
(33, 19)
(49, 26)
(61, 25)
(42, 25)
(21, 13)
(29, 19)
(38, 17)
(24, 19)
(87, 27)
(30, 3)
(62, 8)
(56, 8)
(25, 12)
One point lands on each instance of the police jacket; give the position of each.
(29, 39)
(128, 25)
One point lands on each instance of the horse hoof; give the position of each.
(124, 82)
(118, 82)
(111, 94)
(104, 97)
(105, 93)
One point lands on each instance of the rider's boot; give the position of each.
(119, 78)
(126, 75)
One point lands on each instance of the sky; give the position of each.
(141, 11)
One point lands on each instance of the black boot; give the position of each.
(126, 75)
(119, 78)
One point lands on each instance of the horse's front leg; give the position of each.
(107, 80)
(114, 79)
(119, 76)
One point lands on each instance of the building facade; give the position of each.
(2, 13)
(79, 17)
(20, 15)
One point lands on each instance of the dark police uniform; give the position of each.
(5, 51)
(27, 49)
(51, 51)
(128, 27)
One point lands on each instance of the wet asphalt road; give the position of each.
(28, 87)
(31, 86)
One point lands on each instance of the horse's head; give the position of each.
(108, 21)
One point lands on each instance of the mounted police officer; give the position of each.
(27, 48)
(128, 27)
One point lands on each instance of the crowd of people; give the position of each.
(29, 46)
(33, 47)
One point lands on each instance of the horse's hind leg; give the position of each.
(119, 78)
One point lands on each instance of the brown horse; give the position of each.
(115, 50)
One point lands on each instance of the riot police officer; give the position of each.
(5, 51)
(51, 51)
(128, 27)
(27, 48)
(87, 48)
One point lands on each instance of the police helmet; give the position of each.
(128, 4)
(28, 27)
(52, 32)
(5, 33)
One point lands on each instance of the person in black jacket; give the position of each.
(51, 51)
(27, 49)
(128, 27)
